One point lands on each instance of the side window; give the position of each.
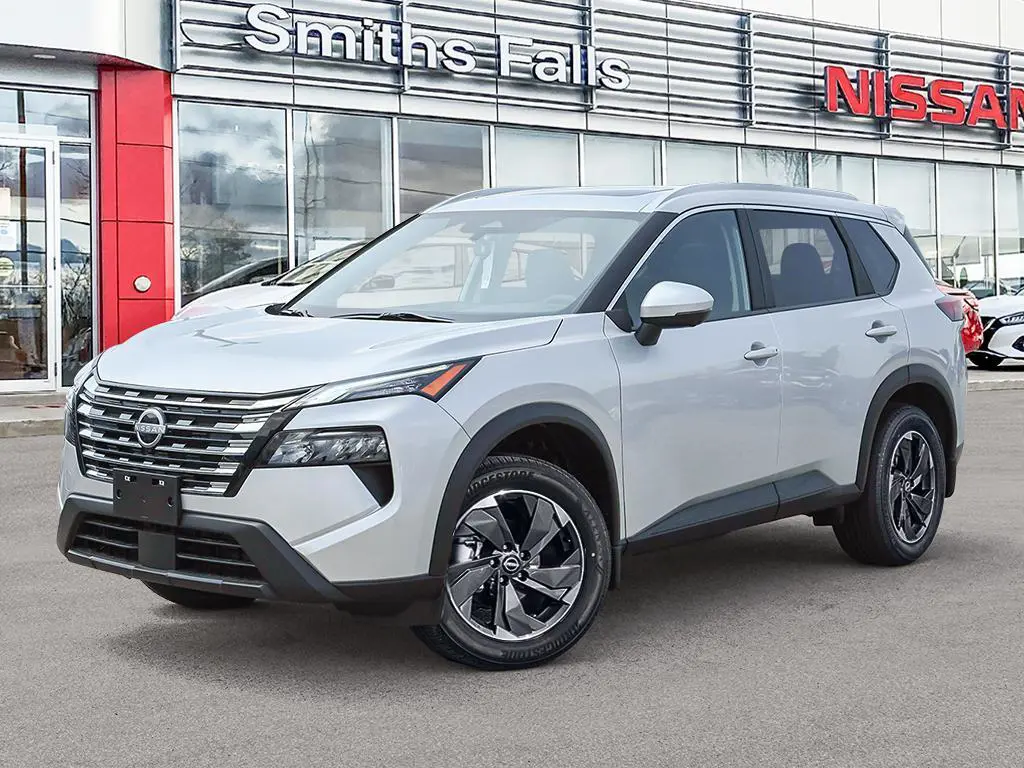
(877, 259)
(806, 258)
(705, 250)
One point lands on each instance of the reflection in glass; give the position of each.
(67, 112)
(233, 193)
(612, 162)
(340, 187)
(75, 258)
(436, 161)
(774, 166)
(700, 163)
(965, 214)
(23, 305)
(535, 158)
(844, 174)
(910, 187)
(1010, 199)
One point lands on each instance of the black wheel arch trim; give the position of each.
(903, 377)
(483, 443)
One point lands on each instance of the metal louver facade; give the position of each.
(695, 71)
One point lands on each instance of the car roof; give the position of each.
(671, 199)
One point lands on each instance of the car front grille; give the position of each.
(200, 553)
(206, 438)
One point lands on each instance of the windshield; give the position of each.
(311, 270)
(476, 266)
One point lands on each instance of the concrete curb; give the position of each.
(54, 426)
(31, 427)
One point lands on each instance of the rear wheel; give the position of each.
(895, 520)
(529, 567)
(985, 362)
(197, 600)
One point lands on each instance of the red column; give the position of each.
(136, 185)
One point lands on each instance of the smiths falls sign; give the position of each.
(272, 29)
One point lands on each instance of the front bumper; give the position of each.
(230, 556)
(1003, 341)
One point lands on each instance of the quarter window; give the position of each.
(703, 250)
(878, 261)
(806, 259)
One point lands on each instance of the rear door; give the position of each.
(839, 337)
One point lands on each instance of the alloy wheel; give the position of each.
(912, 492)
(517, 565)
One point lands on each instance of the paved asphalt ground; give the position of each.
(767, 647)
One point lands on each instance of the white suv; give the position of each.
(550, 380)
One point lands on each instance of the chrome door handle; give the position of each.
(759, 353)
(879, 331)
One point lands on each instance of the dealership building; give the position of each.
(151, 150)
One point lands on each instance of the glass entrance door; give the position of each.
(28, 305)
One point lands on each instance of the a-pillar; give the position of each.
(136, 186)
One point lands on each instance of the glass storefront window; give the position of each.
(67, 112)
(1010, 240)
(234, 219)
(75, 258)
(909, 186)
(436, 161)
(535, 158)
(699, 163)
(341, 189)
(613, 162)
(966, 228)
(774, 166)
(844, 174)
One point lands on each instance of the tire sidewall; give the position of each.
(563, 489)
(899, 423)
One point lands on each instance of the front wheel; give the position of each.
(895, 520)
(985, 362)
(529, 567)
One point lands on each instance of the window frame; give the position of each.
(618, 310)
(855, 257)
(861, 284)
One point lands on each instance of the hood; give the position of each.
(999, 306)
(239, 297)
(250, 351)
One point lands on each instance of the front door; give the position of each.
(29, 305)
(701, 408)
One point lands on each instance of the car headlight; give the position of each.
(430, 382)
(1015, 319)
(305, 448)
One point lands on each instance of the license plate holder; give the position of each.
(146, 497)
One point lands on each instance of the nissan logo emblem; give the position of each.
(151, 427)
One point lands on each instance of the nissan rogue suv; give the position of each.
(543, 382)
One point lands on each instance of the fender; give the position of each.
(897, 380)
(480, 446)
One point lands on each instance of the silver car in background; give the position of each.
(555, 379)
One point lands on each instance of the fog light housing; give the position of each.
(323, 447)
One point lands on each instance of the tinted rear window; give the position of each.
(877, 259)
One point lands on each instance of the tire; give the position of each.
(197, 600)
(895, 520)
(564, 526)
(985, 362)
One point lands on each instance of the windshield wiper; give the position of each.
(409, 317)
(293, 312)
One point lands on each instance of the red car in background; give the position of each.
(971, 330)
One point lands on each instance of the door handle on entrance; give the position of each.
(759, 353)
(881, 331)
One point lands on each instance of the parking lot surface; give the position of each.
(767, 647)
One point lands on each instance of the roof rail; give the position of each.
(692, 188)
(477, 193)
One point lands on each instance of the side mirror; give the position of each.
(672, 305)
